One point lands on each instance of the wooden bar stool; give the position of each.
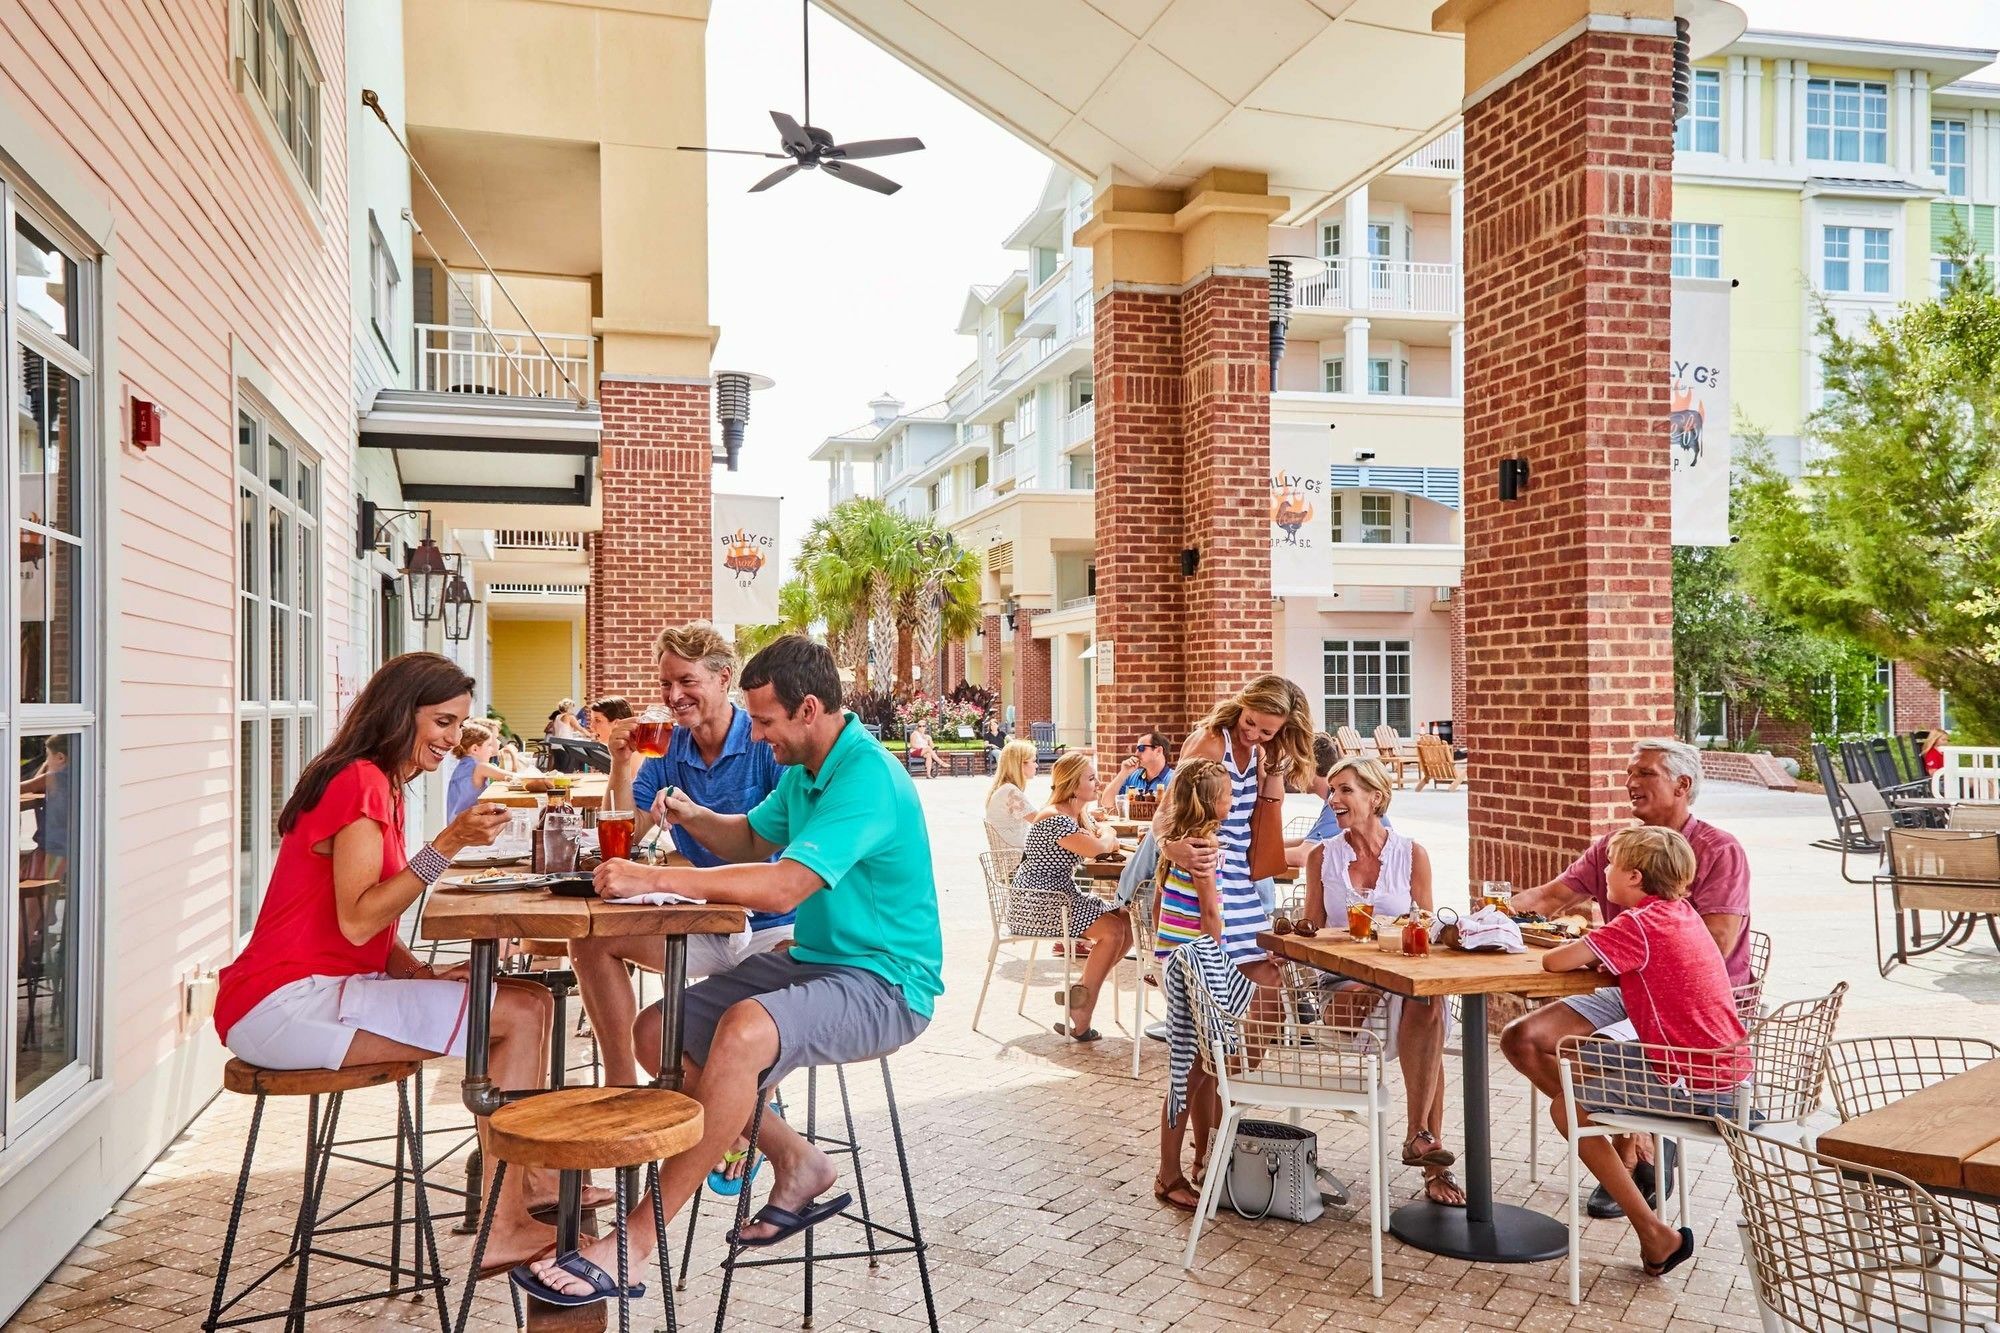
(311, 1228)
(574, 1130)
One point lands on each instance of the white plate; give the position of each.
(520, 881)
(485, 858)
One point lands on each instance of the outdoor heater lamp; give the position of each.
(732, 409)
(458, 604)
(1281, 309)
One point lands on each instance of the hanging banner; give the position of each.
(745, 571)
(1700, 408)
(1301, 555)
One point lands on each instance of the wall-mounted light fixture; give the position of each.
(1011, 610)
(424, 574)
(1190, 561)
(457, 603)
(1513, 477)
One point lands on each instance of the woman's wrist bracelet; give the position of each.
(429, 864)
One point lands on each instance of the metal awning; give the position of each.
(473, 448)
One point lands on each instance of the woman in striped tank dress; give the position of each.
(1253, 742)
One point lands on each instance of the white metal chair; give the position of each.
(1749, 1005)
(999, 890)
(1290, 1065)
(1786, 1049)
(1838, 1248)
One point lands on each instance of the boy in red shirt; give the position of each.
(1677, 994)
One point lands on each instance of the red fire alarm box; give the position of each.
(145, 424)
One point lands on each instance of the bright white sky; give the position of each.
(838, 293)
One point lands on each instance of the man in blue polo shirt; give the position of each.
(712, 758)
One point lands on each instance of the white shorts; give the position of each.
(310, 1023)
(710, 954)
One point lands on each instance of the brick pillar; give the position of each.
(1913, 701)
(1031, 672)
(1568, 639)
(992, 647)
(1458, 724)
(954, 665)
(650, 564)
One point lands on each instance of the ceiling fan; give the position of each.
(811, 148)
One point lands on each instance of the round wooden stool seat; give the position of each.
(586, 1129)
(248, 1079)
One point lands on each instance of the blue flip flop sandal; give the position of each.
(789, 1223)
(731, 1186)
(603, 1286)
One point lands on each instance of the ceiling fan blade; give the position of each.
(876, 148)
(774, 178)
(861, 176)
(794, 134)
(739, 152)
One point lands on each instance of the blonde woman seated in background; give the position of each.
(1045, 884)
(1368, 861)
(1008, 809)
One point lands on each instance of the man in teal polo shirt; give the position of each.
(862, 975)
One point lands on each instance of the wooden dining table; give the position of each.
(1944, 1137)
(586, 792)
(1482, 1231)
(484, 917)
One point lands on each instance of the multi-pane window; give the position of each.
(1847, 120)
(278, 618)
(1840, 250)
(275, 63)
(1333, 375)
(1329, 240)
(1024, 416)
(1700, 130)
(1381, 237)
(1946, 269)
(1371, 517)
(383, 283)
(1388, 375)
(51, 878)
(1697, 250)
(1367, 684)
(1948, 156)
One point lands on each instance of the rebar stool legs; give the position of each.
(874, 1248)
(312, 1225)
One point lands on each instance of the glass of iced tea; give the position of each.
(1360, 918)
(650, 732)
(614, 834)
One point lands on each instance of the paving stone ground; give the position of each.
(1033, 1160)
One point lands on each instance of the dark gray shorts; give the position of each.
(825, 1014)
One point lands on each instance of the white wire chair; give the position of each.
(1617, 1083)
(1749, 1004)
(1293, 1065)
(1839, 1248)
(999, 895)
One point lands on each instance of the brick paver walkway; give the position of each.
(1034, 1159)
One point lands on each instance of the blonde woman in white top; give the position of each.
(1008, 809)
(1368, 860)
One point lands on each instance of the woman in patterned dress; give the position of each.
(1045, 884)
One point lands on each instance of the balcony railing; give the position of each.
(1077, 603)
(1394, 285)
(981, 497)
(529, 539)
(1003, 465)
(1079, 425)
(455, 359)
(534, 590)
(1444, 153)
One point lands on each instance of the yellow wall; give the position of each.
(1761, 241)
(536, 663)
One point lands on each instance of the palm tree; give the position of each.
(944, 576)
(852, 558)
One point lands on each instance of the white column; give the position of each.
(1753, 109)
(1920, 125)
(1354, 250)
(1899, 125)
(1458, 227)
(1458, 362)
(1355, 357)
(1733, 112)
(1781, 109)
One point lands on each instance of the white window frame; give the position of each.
(1697, 250)
(263, 793)
(1948, 132)
(288, 108)
(1333, 374)
(1392, 662)
(1828, 100)
(384, 284)
(76, 356)
(1874, 264)
(1700, 130)
(1943, 269)
(1329, 239)
(1841, 239)
(1024, 416)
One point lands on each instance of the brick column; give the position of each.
(1568, 639)
(1913, 701)
(650, 564)
(1459, 726)
(1031, 672)
(954, 665)
(991, 650)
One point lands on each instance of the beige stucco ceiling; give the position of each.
(1317, 94)
(532, 204)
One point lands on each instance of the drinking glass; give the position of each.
(1495, 893)
(614, 834)
(1360, 915)
(649, 736)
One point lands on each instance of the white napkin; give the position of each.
(663, 899)
(1488, 928)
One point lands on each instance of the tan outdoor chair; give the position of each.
(1350, 742)
(1954, 872)
(1865, 824)
(1394, 752)
(1840, 1248)
(1436, 766)
(1975, 816)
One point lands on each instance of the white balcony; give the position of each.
(456, 359)
(1444, 153)
(1326, 289)
(525, 539)
(1391, 286)
(1003, 466)
(1079, 426)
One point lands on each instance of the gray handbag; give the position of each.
(1274, 1172)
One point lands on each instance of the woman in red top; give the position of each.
(1932, 755)
(323, 982)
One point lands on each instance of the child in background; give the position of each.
(478, 749)
(1677, 993)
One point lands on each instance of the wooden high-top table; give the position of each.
(485, 918)
(1482, 1230)
(586, 792)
